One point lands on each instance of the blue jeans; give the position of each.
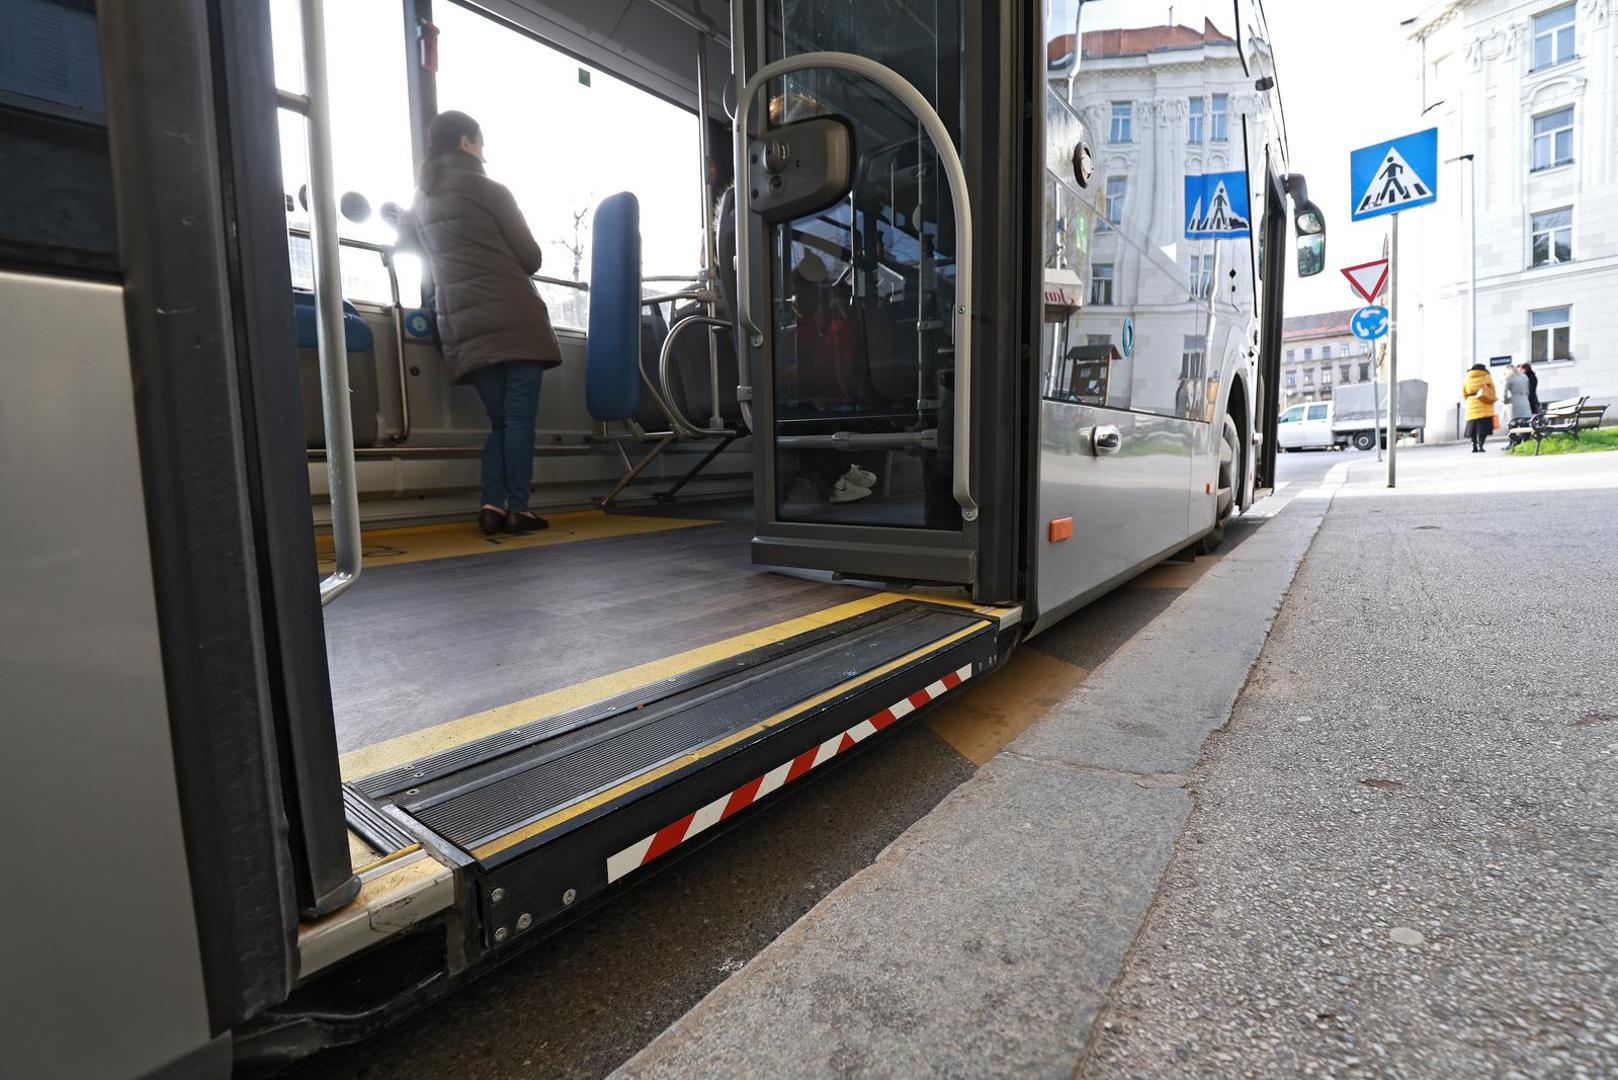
(510, 393)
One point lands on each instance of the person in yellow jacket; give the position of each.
(1477, 390)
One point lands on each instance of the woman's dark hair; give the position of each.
(444, 136)
(1477, 367)
(1526, 366)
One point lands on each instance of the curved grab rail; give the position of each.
(912, 98)
(664, 355)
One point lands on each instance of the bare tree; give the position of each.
(575, 243)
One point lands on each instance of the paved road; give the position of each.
(582, 1003)
(1402, 857)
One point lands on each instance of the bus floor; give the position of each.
(445, 624)
(581, 1003)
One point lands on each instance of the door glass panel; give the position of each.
(863, 339)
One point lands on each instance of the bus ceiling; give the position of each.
(651, 43)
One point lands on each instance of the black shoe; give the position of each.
(519, 523)
(490, 521)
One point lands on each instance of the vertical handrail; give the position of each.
(710, 269)
(398, 348)
(333, 344)
(912, 98)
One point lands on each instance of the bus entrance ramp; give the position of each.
(986, 937)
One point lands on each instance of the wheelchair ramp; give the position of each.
(552, 812)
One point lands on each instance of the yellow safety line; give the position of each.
(517, 836)
(418, 745)
(390, 857)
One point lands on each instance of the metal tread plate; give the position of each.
(496, 797)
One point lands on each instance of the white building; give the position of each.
(1530, 89)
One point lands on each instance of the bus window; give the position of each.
(566, 136)
(370, 136)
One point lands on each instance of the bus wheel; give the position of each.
(1230, 478)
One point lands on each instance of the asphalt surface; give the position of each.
(586, 1000)
(1402, 856)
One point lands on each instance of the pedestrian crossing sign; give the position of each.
(1396, 175)
(1216, 205)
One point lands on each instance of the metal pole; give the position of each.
(1376, 399)
(1393, 354)
(710, 268)
(342, 490)
(1472, 288)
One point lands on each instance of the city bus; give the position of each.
(892, 334)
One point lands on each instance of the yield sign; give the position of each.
(1368, 278)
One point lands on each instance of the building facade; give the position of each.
(1530, 89)
(1320, 353)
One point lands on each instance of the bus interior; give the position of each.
(818, 272)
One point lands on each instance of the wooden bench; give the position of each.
(1566, 417)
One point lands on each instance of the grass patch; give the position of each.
(1588, 442)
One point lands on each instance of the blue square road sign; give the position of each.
(1387, 177)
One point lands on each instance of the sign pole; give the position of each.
(1393, 352)
(1376, 397)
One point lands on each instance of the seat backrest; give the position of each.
(612, 350)
(356, 334)
(1566, 406)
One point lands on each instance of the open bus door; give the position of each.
(864, 276)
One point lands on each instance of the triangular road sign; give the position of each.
(1393, 184)
(1368, 278)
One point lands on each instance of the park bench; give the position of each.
(1566, 417)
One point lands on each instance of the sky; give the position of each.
(1348, 79)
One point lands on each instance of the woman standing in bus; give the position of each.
(495, 330)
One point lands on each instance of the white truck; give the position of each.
(1352, 417)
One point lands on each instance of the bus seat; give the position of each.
(613, 347)
(362, 387)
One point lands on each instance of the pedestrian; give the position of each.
(495, 330)
(1516, 395)
(1533, 387)
(1478, 391)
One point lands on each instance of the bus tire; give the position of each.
(1227, 486)
(1364, 440)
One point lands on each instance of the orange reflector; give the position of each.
(1061, 529)
(1208, 488)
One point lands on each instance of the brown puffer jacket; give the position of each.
(481, 253)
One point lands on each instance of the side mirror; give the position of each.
(1311, 226)
(355, 207)
(1311, 255)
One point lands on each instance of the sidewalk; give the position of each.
(1404, 857)
(1398, 859)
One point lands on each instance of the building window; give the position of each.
(1309, 378)
(1201, 282)
(1553, 237)
(1325, 352)
(1365, 371)
(1345, 371)
(1101, 283)
(1291, 355)
(1309, 354)
(1113, 210)
(1193, 127)
(1548, 334)
(1219, 129)
(1122, 114)
(1553, 139)
(1553, 37)
(1325, 374)
(1292, 379)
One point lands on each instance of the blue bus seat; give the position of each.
(362, 385)
(612, 350)
(355, 332)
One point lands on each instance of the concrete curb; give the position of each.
(985, 939)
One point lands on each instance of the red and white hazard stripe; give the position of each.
(677, 832)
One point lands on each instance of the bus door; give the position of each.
(859, 291)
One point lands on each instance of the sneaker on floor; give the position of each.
(846, 491)
(865, 478)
